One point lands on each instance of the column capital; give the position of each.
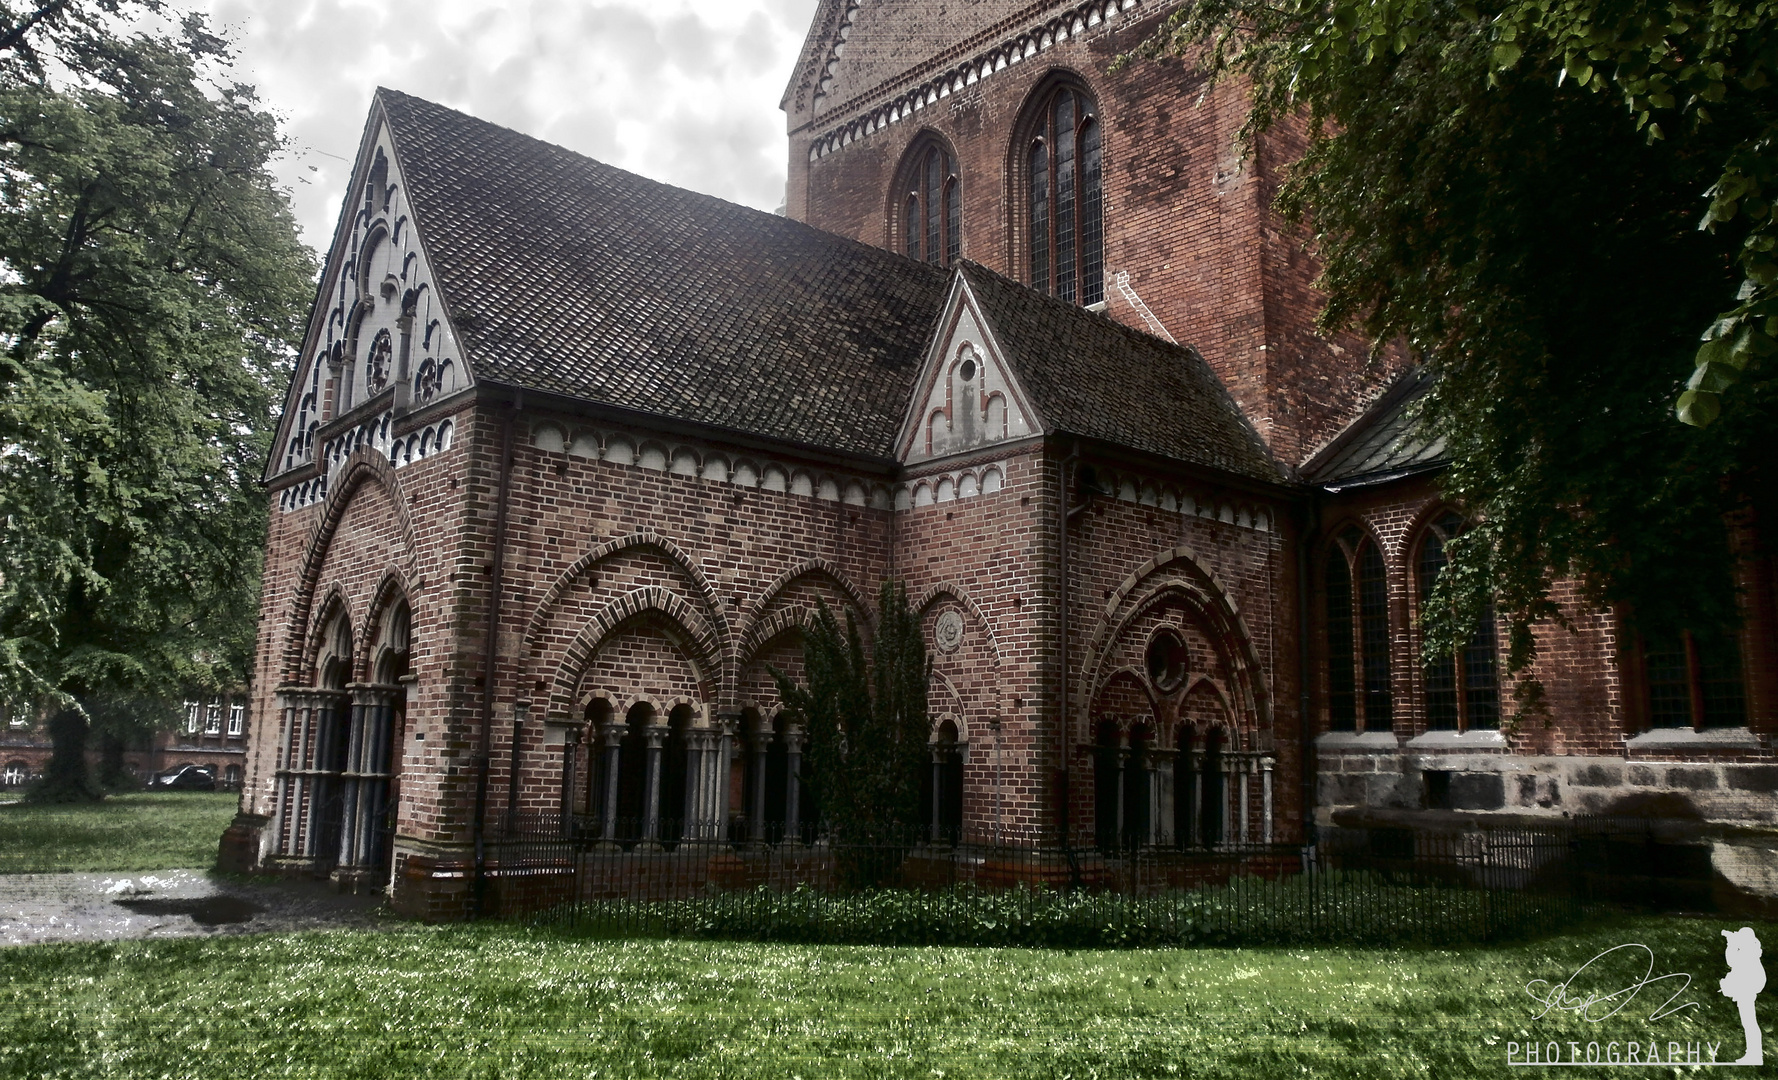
(612, 734)
(657, 735)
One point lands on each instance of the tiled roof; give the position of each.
(1384, 444)
(574, 277)
(1091, 375)
(569, 276)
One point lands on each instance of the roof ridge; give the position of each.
(716, 201)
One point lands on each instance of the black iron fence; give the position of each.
(1373, 885)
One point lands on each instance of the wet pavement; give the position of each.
(37, 908)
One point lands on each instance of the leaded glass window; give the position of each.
(1065, 215)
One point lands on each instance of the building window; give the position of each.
(1459, 696)
(1694, 680)
(237, 719)
(931, 206)
(1065, 212)
(213, 719)
(192, 711)
(1357, 632)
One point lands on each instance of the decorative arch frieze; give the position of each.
(361, 468)
(674, 615)
(752, 637)
(378, 323)
(552, 596)
(1023, 44)
(1191, 581)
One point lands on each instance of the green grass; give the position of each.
(510, 1001)
(143, 831)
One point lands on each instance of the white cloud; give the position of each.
(684, 92)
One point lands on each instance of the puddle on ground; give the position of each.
(205, 910)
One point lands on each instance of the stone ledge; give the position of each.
(1668, 740)
(1369, 742)
(1480, 741)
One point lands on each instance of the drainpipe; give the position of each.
(491, 655)
(1308, 522)
(1063, 516)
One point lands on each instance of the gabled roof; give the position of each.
(567, 275)
(1385, 443)
(1093, 376)
(564, 275)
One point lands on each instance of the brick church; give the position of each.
(569, 457)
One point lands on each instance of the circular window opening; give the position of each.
(967, 370)
(1167, 660)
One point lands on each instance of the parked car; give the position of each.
(186, 778)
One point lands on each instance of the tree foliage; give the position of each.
(151, 289)
(867, 723)
(1549, 202)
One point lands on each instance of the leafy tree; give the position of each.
(867, 723)
(151, 287)
(1514, 189)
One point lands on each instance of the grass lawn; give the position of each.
(144, 831)
(508, 1001)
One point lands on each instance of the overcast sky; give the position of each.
(681, 91)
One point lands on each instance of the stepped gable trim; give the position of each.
(330, 273)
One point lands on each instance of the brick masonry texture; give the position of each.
(666, 539)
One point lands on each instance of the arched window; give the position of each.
(1064, 212)
(931, 205)
(1357, 633)
(1466, 696)
(1693, 680)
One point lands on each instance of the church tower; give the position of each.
(993, 131)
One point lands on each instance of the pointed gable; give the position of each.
(379, 327)
(573, 277)
(1090, 375)
(967, 397)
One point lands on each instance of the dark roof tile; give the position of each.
(570, 276)
(1386, 443)
(1092, 375)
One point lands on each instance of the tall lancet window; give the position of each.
(1065, 211)
(931, 218)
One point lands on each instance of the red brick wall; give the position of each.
(1185, 217)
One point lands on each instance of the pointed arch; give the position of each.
(754, 635)
(644, 539)
(334, 603)
(363, 466)
(955, 592)
(1055, 172)
(925, 205)
(1179, 573)
(670, 612)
